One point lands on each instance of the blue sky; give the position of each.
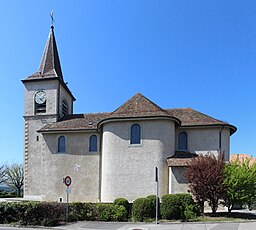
(178, 53)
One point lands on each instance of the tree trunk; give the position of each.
(230, 208)
(19, 192)
(201, 205)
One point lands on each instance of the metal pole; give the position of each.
(67, 192)
(156, 195)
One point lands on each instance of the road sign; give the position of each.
(67, 181)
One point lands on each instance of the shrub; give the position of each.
(120, 213)
(152, 198)
(170, 207)
(191, 212)
(111, 212)
(124, 203)
(104, 212)
(52, 214)
(185, 199)
(143, 209)
(174, 206)
(79, 211)
(8, 213)
(44, 214)
(32, 213)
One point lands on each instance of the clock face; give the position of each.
(40, 97)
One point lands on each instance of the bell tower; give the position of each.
(47, 98)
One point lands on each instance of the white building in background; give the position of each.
(110, 154)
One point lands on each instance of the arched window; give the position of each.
(135, 134)
(183, 141)
(61, 144)
(64, 108)
(93, 143)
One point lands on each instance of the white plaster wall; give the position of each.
(78, 163)
(205, 140)
(128, 171)
(50, 88)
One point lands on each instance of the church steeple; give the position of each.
(50, 63)
(50, 68)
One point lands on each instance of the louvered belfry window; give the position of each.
(64, 108)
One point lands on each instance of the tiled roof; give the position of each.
(242, 157)
(50, 64)
(190, 116)
(77, 122)
(140, 107)
(180, 158)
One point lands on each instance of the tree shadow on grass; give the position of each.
(235, 215)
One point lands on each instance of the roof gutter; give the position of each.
(233, 129)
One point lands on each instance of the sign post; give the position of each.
(67, 181)
(156, 179)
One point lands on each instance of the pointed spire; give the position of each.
(50, 63)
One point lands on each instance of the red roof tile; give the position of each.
(76, 122)
(140, 107)
(242, 157)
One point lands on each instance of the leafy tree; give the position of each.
(15, 176)
(2, 173)
(205, 177)
(239, 183)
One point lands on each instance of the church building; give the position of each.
(110, 154)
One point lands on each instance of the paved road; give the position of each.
(166, 226)
(142, 226)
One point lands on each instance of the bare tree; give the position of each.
(2, 173)
(15, 176)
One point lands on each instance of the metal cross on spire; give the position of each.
(51, 15)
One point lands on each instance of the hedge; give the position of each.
(79, 211)
(32, 213)
(174, 206)
(178, 206)
(52, 214)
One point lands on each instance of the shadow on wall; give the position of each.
(178, 173)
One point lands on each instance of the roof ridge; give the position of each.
(138, 103)
(50, 59)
